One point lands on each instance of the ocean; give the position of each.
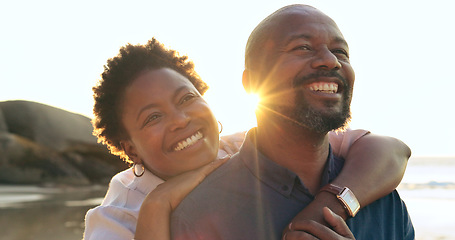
(428, 189)
(49, 212)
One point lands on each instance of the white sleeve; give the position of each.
(110, 223)
(230, 144)
(342, 141)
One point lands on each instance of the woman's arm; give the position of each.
(154, 216)
(379, 162)
(374, 167)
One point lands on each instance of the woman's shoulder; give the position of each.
(126, 183)
(125, 178)
(118, 188)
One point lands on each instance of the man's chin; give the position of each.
(324, 122)
(320, 121)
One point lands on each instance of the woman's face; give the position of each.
(170, 126)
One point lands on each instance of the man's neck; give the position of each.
(295, 148)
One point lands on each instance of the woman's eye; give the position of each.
(151, 119)
(187, 97)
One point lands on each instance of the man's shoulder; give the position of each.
(387, 218)
(221, 187)
(213, 203)
(223, 180)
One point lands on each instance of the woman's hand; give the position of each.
(153, 221)
(307, 229)
(176, 188)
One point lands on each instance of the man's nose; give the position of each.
(326, 59)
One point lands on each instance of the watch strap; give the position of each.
(340, 193)
(331, 188)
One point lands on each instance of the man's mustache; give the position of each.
(322, 73)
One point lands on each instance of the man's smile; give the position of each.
(325, 87)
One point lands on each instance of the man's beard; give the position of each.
(319, 121)
(304, 115)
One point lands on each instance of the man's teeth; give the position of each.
(188, 142)
(324, 87)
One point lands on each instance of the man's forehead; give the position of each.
(300, 14)
(300, 10)
(301, 22)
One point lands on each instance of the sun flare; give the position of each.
(236, 114)
(252, 102)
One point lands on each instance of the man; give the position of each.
(298, 62)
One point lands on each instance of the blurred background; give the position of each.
(53, 52)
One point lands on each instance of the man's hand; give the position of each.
(308, 229)
(314, 211)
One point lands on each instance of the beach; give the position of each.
(428, 189)
(39, 213)
(57, 212)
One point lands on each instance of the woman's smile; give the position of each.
(188, 142)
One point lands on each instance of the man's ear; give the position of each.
(130, 150)
(246, 81)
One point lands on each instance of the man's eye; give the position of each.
(302, 47)
(341, 52)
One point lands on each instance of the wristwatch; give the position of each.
(346, 197)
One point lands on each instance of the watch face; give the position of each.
(350, 200)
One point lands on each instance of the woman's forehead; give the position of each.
(162, 80)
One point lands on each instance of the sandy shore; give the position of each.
(431, 213)
(51, 213)
(28, 212)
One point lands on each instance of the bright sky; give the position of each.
(402, 51)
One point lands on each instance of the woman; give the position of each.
(149, 110)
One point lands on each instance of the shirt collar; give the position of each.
(275, 176)
(146, 183)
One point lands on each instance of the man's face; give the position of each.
(308, 77)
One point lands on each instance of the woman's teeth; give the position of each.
(324, 87)
(189, 141)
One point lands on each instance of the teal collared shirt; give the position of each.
(252, 197)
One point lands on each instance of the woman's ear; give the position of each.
(130, 150)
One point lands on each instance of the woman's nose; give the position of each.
(180, 119)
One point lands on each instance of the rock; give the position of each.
(30, 163)
(3, 126)
(46, 125)
(3, 130)
(42, 144)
